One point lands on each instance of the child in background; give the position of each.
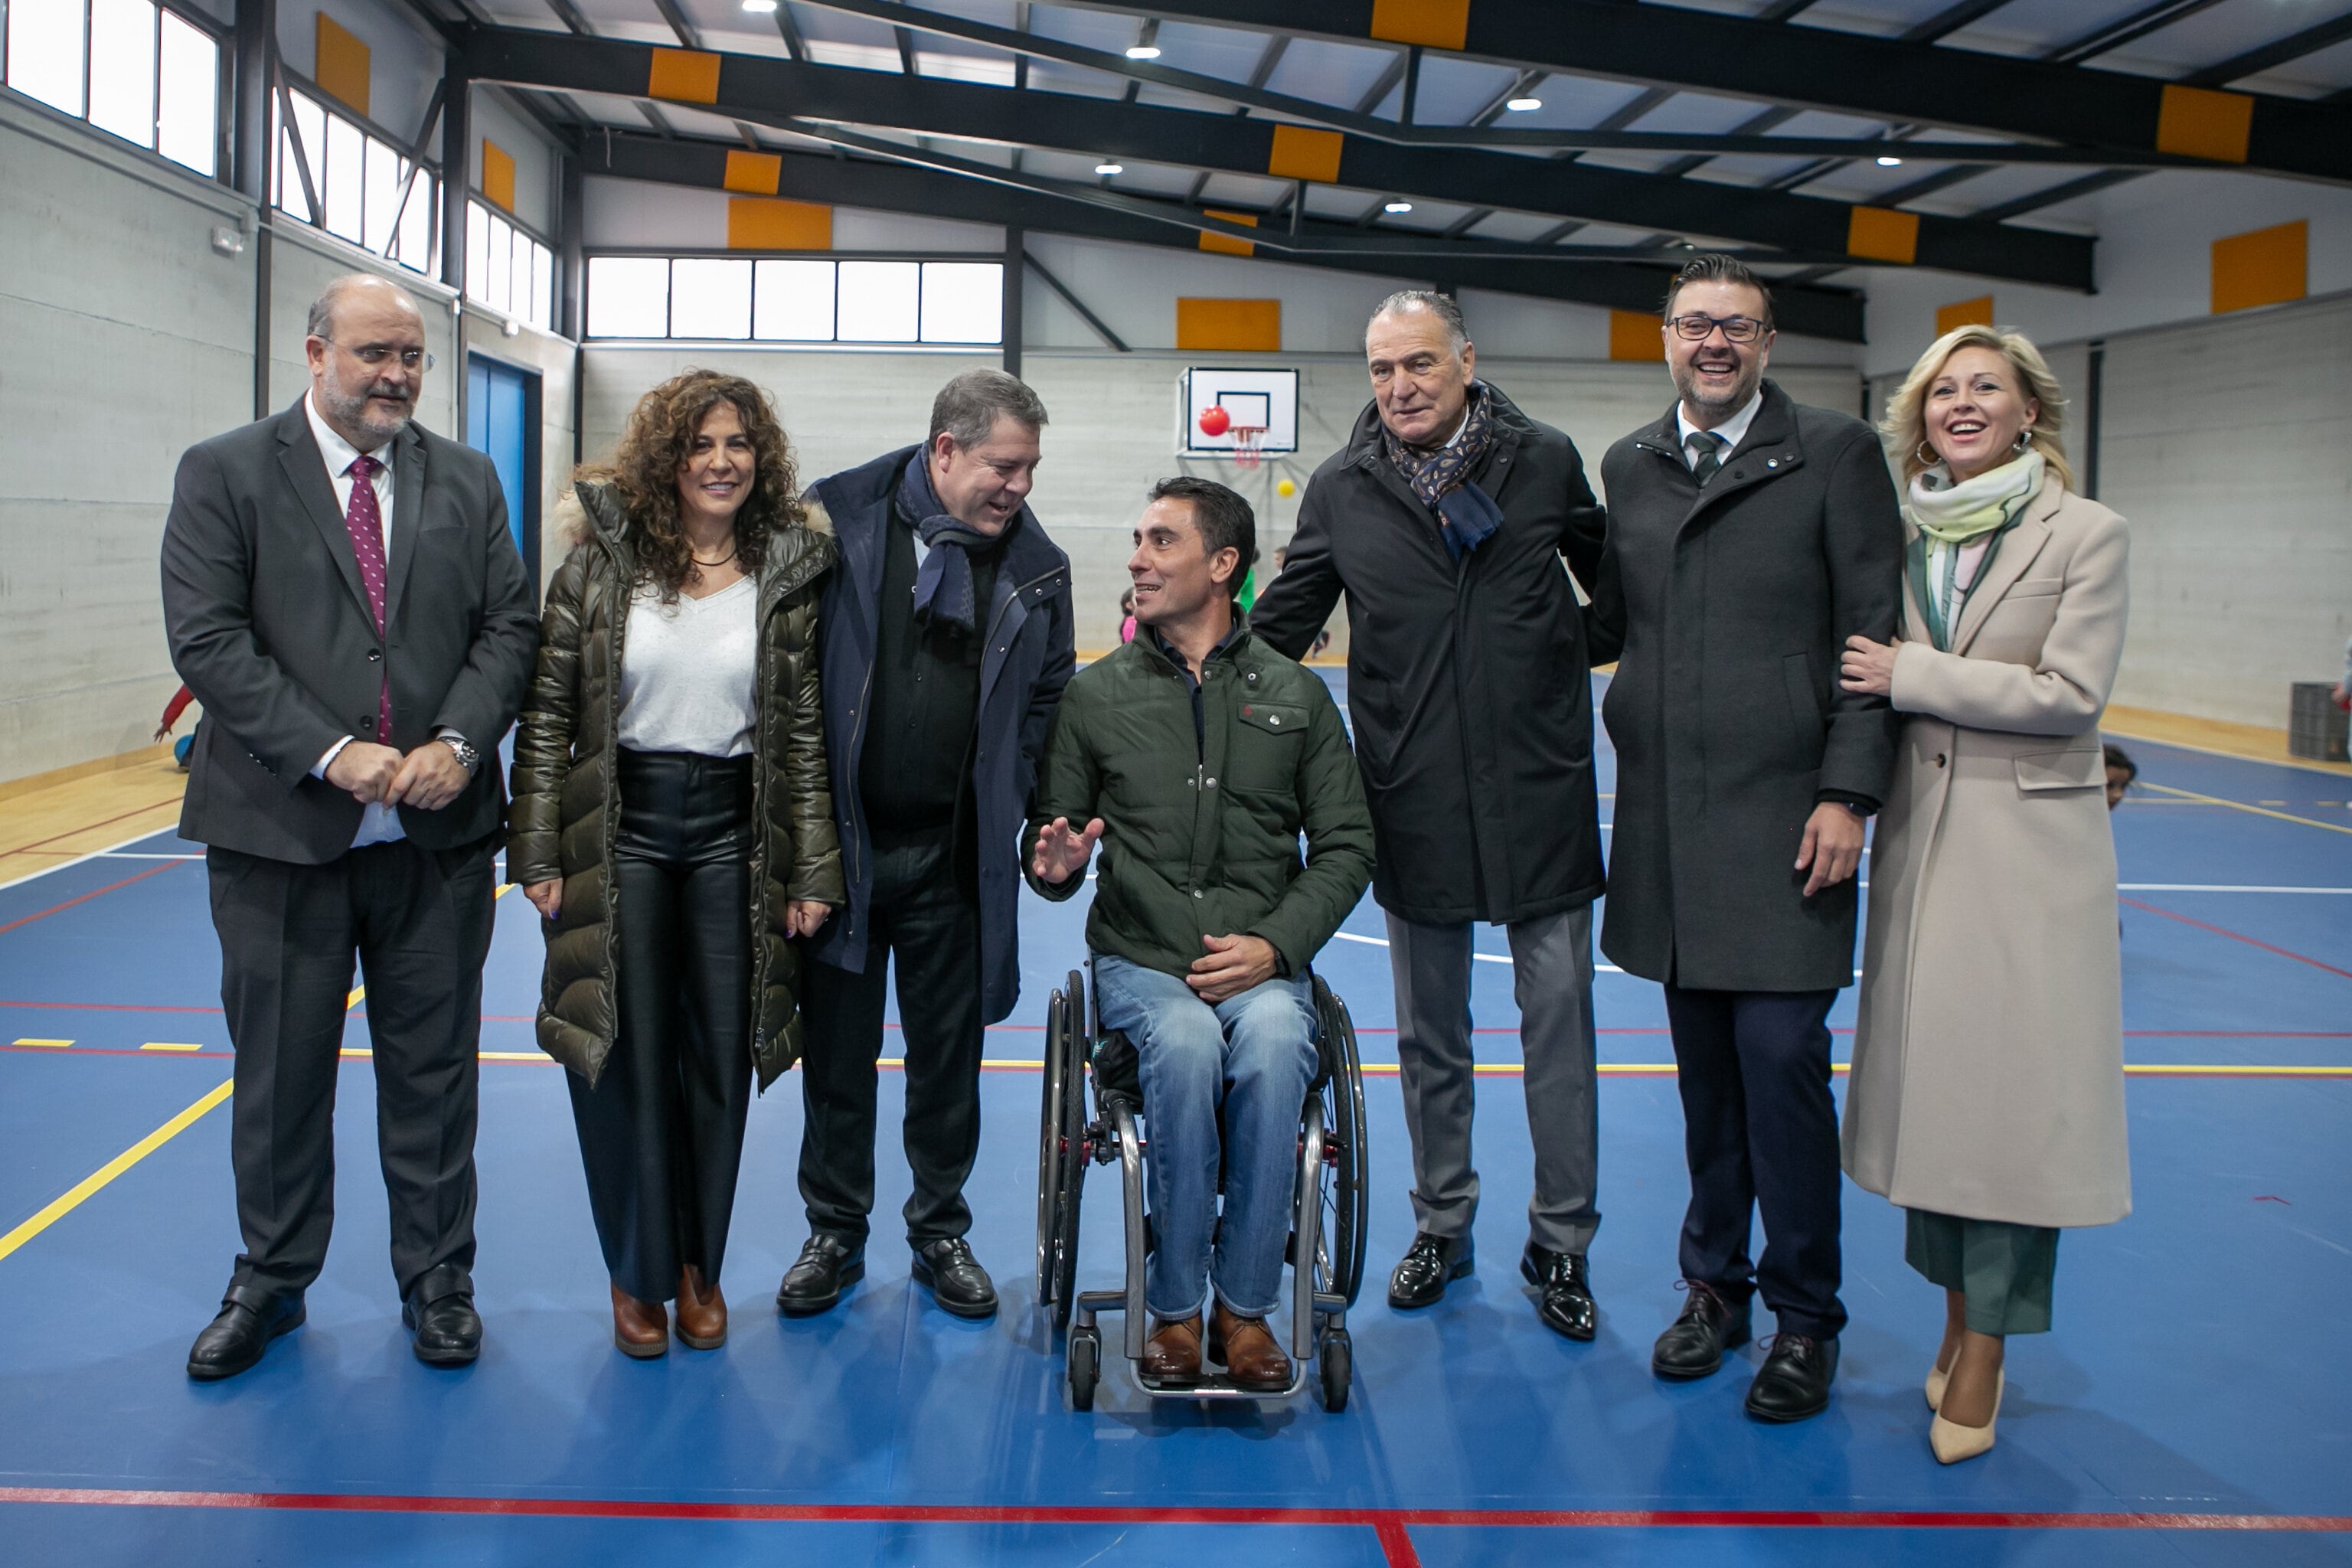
(1127, 617)
(172, 712)
(2121, 770)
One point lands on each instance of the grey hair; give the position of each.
(1442, 306)
(322, 309)
(968, 407)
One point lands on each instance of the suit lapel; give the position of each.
(306, 470)
(2016, 552)
(407, 516)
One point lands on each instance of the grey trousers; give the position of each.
(1552, 979)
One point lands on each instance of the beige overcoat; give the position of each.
(1988, 1076)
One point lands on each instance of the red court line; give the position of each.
(1389, 1522)
(53, 908)
(86, 827)
(2202, 925)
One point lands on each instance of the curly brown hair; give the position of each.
(645, 466)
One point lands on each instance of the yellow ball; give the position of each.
(1284, 487)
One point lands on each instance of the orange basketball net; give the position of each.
(1247, 453)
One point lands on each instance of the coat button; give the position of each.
(1213, 783)
(373, 655)
(1196, 892)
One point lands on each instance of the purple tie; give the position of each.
(366, 524)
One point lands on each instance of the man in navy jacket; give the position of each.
(946, 644)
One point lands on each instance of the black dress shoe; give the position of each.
(815, 1281)
(1795, 1380)
(447, 1330)
(1693, 1344)
(1567, 1306)
(234, 1340)
(1429, 1264)
(957, 1281)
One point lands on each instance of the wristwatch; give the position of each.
(467, 758)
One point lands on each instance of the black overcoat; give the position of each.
(1732, 605)
(1468, 688)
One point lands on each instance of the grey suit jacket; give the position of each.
(269, 627)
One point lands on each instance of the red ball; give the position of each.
(1215, 420)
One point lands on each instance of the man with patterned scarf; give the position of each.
(1446, 521)
(946, 643)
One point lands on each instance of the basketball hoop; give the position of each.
(1246, 437)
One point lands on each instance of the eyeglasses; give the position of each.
(1736, 329)
(375, 355)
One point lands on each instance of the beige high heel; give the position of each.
(1937, 1378)
(1953, 1442)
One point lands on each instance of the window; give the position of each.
(796, 299)
(507, 270)
(373, 195)
(141, 72)
(709, 299)
(879, 302)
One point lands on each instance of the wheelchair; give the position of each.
(1327, 1242)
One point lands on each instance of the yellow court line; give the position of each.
(33, 1042)
(2242, 806)
(358, 996)
(170, 1046)
(98, 1178)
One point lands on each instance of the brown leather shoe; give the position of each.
(701, 1311)
(1171, 1357)
(1247, 1348)
(640, 1329)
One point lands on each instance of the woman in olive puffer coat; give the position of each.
(673, 824)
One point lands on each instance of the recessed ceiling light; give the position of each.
(1890, 162)
(1521, 105)
(1397, 207)
(1111, 168)
(761, 8)
(1143, 51)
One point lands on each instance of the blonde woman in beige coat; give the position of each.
(1987, 1093)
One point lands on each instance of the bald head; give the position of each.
(367, 358)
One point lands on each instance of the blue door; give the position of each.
(502, 420)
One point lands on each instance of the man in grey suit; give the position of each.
(342, 595)
(1748, 537)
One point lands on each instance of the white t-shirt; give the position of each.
(687, 672)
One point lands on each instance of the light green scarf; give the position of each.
(1957, 514)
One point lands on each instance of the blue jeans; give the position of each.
(1255, 1054)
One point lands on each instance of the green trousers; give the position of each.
(2005, 1270)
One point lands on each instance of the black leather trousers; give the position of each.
(662, 1132)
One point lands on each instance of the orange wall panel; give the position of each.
(1238, 326)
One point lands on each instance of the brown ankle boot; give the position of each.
(701, 1311)
(1171, 1357)
(640, 1329)
(1247, 1348)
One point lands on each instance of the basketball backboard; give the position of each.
(1267, 400)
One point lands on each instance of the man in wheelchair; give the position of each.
(1196, 755)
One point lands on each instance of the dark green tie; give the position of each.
(1707, 455)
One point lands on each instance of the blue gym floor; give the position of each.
(2195, 1405)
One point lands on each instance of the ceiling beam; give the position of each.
(1358, 120)
(895, 187)
(1816, 67)
(803, 97)
(2269, 57)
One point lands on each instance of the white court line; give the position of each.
(2220, 888)
(133, 855)
(79, 859)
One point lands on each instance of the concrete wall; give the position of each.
(128, 340)
(1113, 429)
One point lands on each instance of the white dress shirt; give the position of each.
(379, 824)
(1731, 432)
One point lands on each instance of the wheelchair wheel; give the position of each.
(1345, 1212)
(1335, 1357)
(1086, 1367)
(1061, 1149)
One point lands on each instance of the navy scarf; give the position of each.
(943, 583)
(1441, 478)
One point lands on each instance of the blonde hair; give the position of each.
(1904, 428)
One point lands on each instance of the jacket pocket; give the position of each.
(2076, 768)
(1804, 703)
(1264, 752)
